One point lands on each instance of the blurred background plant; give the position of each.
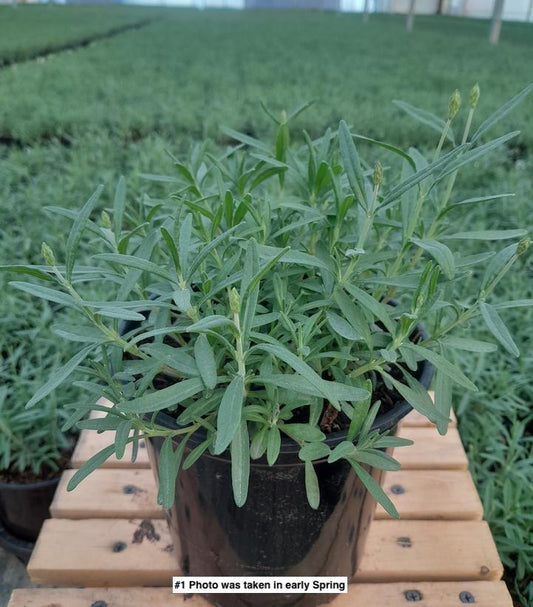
(32, 445)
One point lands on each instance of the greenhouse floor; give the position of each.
(12, 575)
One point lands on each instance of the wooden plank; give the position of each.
(432, 495)
(84, 553)
(417, 420)
(132, 493)
(432, 594)
(429, 551)
(108, 493)
(90, 442)
(102, 552)
(430, 451)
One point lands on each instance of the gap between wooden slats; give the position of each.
(84, 553)
(417, 494)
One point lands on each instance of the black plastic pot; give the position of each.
(276, 532)
(23, 508)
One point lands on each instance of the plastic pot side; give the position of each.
(276, 532)
(24, 507)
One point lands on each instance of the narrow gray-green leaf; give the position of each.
(169, 463)
(477, 199)
(360, 412)
(196, 453)
(175, 358)
(300, 367)
(311, 485)
(443, 399)
(501, 112)
(497, 327)
(305, 432)
(292, 257)
(251, 141)
(497, 264)
(468, 344)
(27, 270)
(485, 235)
(204, 251)
(342, 327)
(345, 449)
(120, 313)
(374, 489)
(425, 117)
(353, 314)
(119, 202)
(90, 465)
(299, 384)
(265, 269)
(314, 451)
(77, 230)
(205, 361)
(182, 299)
(162, 399)
(131, 261)
(144, 251)
(405, 185)
(474, 154)
(445, 366)
(80, 333)
(376, 459)
(352, 163)
(440, 253)
(229, 414)
(273, 445)
(185, 242)
(59, 375)
(44, 293)
(517, 303)
(251, 266)
(378, 309)
(417, 397)
(121, 437)
(209, 323)
(240, 464)
(388, 146)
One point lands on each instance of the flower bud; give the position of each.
(523, 246)
(48, 254)
(378, 174)
(235, 301)
(474, 95)
(106, 220)
(455, 104)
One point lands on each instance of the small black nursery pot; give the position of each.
(24, 507)
(276, 532)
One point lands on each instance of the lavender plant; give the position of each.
(257, 298)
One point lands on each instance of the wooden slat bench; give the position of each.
(439, 554)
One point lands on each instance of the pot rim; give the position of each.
(383, 422)
(29, 486)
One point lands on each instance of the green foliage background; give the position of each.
(77, 118)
